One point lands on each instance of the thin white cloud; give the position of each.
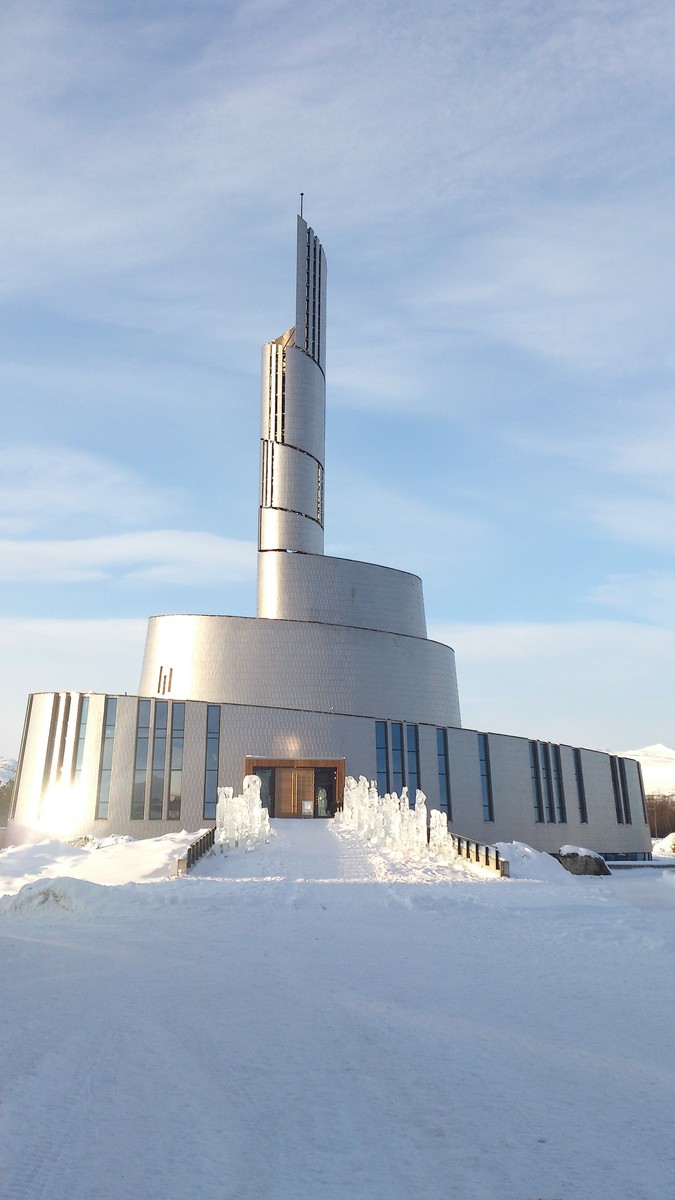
(60, 655)
(401, 528)
(583, 283)
(173, 556)
(593, 683)
(47, 486)
(649, 596)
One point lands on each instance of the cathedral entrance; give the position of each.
(299, 787)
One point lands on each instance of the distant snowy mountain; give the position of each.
(658, 768)
(7, 769)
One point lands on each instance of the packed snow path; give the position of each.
(317, 1022)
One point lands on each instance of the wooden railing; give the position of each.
(202, 843)
(482, 855)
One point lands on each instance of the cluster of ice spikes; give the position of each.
(390, 821)
(242, 820)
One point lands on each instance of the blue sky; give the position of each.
(492, 183)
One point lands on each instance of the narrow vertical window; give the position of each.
(63, 735)
(382, 757)
(485, 776)
(443, 771)
(141, 761)
(547, 786)
(536, 783)
(103, 795)
(397, 767)
(413, 757)
(176, 762)
(158, 760)
(581, 787)
(558, 786)
(616, 788)
(642, 792)
(49, 753)
(627, 816)
(212, 753)
(78, 749)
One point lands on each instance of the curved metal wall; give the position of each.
(339, 591)
(300, 665)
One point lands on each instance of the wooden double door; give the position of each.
(294, 792)
(299, 787)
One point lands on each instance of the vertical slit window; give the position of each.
(642, 793)
(78, 750)
(176, 764)
(443, 771)
(63, 735)
(558, 786)
(581, 787)
(536, 783)
(103, 794)
(547, 785)
(141, 761)
(158, 761)
(616, 788)
(413, 756)
(382, 757)
(485, 777)
(212, 753)
(49, 751)
(397, 767)
(627, 815)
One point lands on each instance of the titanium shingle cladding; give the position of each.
(304, 665)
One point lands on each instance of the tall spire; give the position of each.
(293, 414)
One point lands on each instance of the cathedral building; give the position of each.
(334, 676)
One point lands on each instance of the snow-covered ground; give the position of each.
(318, 1020)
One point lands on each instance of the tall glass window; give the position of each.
(616, 788)
(103, 796)
(212, 752)
(623, 788)
(397, 765)
(558, 786)
(443, 771)
(65, 717)
(547, 786)
(536, 783)
(176, 764)
(581, 787)
(382, 757)
(51, 738)
(413, 757)
(141, 762)
(78, 751)
(485, 777)
(158, 760)
(642, 793)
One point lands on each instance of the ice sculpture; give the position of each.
(390, 821)
(242, 820)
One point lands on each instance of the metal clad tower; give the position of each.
(293, 415)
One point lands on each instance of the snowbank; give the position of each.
(113, 861)
(526, 863)
(665, 847)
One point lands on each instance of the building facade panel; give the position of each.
(338, 591)
(304, 665)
